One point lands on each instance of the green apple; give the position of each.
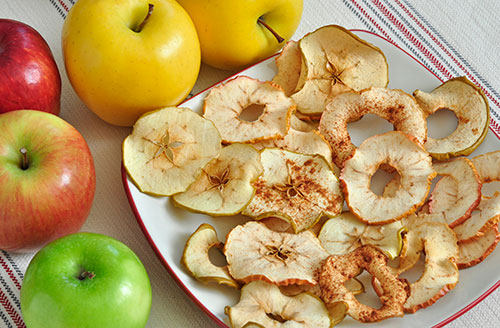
(235, 34)
(126, 57)
(85, 280)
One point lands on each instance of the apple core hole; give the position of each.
(369, 297)
(216, 257)
(381, 178)
(251, 113)
(441, 124)
(368, 126)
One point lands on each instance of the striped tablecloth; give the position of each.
(452, 38)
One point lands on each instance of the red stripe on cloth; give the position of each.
(455, 60)
(7, 269)
(372, 21)
(16, 318)
(413, 39)
(63, 5)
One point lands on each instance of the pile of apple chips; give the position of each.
(294, 169)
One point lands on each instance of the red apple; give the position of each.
(47, 179)
(29, 77)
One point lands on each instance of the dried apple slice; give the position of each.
(471, 108)
(396, 106)
(344, 233)
(413, 164)
(168, 148)
(225, 103)
(254, 252)
(487, 166)
(224, 186)
(196, 259)
(439, 243)
(335, 60)
(289, 64)
(486, 214)
(458, 192)
(263, 304)
(339, 268)
(473, 252)
(308, 143)
(295, 187)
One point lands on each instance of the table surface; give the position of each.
(451, 37)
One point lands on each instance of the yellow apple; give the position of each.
(233, 34)
(126, 57)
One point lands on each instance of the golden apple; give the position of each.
(127, 57)
(234, 34)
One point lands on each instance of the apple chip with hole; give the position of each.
(426, 235)
(224, 186)
(344, 233)
(411, 161)
(337, 269)
(475, 251)
(254, 252)
(335, 60)
(458, 192)
(224, 105)
(168, 148)
(263, 305)
(395, 106)
(289, 63)
(471, 108)
(295, 187)
(196, 258)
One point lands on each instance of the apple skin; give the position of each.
(120, 74)
(54, 195)
(229, 34)
(53, 295)
(29, 77)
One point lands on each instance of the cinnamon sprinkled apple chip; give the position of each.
(295, 187)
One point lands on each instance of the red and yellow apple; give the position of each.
(47, 179)
(125, 57)
(29, 77)
(235, 34)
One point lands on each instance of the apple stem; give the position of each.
(276, 35)
(24, 161)
(86, 274)
(150, 11)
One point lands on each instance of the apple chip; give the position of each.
(335, 60)
(295, 187)
(414, 165)
(196, 259)
(339, 268)
(307, 143)
(439, 243)
(225, 103)
(225, 184)
(263, 305)
(289, 64)
(396, 106)
(471, 108)
(487, 166)
(279, 258)
(486, 214)
(168, 148)
(344, 233)
(473, 252)
(458, 192)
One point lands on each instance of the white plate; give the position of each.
(167, 228)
